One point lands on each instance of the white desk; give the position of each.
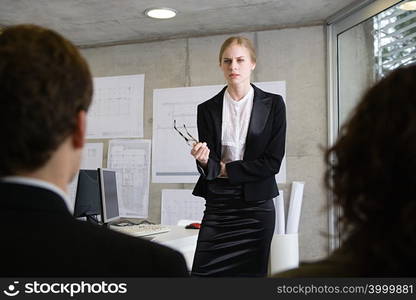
(284, 253)
(180, 239)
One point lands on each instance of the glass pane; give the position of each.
(371, 49)
(395, 39)
(356, 68)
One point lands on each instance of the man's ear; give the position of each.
(78, 137)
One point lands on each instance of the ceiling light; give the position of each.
(160, 13)
(410, 5)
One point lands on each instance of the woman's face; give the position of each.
(237, 65)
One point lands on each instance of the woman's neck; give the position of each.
(237, 92)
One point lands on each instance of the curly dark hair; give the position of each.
(44, 83)
(372, 174)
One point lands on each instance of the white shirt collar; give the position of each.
(250, 94)
(38, 183)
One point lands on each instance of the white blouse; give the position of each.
(235, 120)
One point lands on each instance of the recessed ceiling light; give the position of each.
(160, 13)
(410, 5)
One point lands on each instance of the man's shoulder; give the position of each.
(64, 246)
(156, 259)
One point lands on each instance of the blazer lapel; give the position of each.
(259, 115)
(217, 117)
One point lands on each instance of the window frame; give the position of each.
(335, 25)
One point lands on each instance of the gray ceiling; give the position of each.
(106, 22)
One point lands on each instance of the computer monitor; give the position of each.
(87, 199)
(109, 196)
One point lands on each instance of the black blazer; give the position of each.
(265, 145)
(39, 237)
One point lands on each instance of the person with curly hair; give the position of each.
(371, 173)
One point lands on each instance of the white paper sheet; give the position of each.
(181, 204)
(117, 107)
(171, 159)
(131, 161)
(92, 158)
(295, 207)
(279, 206)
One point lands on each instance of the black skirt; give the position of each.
(235, 235)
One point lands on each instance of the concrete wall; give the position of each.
(294, 55)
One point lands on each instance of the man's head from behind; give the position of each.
(45, 86)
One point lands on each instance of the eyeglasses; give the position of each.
(189, 139)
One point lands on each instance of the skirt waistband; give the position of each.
(222, 188)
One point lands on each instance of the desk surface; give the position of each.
(175, 233)
(180, 239)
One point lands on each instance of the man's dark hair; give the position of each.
(372, 173)
(44, 83)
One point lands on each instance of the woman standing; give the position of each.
(242, 142)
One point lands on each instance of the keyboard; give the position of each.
(141, 230)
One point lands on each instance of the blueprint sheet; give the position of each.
(131, 161)
(181, 205)
(117, 107)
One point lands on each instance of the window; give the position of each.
(364, 43)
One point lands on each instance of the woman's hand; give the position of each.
(200, 152)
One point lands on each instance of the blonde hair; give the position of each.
(241, 41)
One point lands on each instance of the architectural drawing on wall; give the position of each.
(92, 158)
(171, 159)
(179, 205)
(117, 107)
(176, 164)
(131, 161)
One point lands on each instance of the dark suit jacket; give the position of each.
(265, 145)
(39, 237)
